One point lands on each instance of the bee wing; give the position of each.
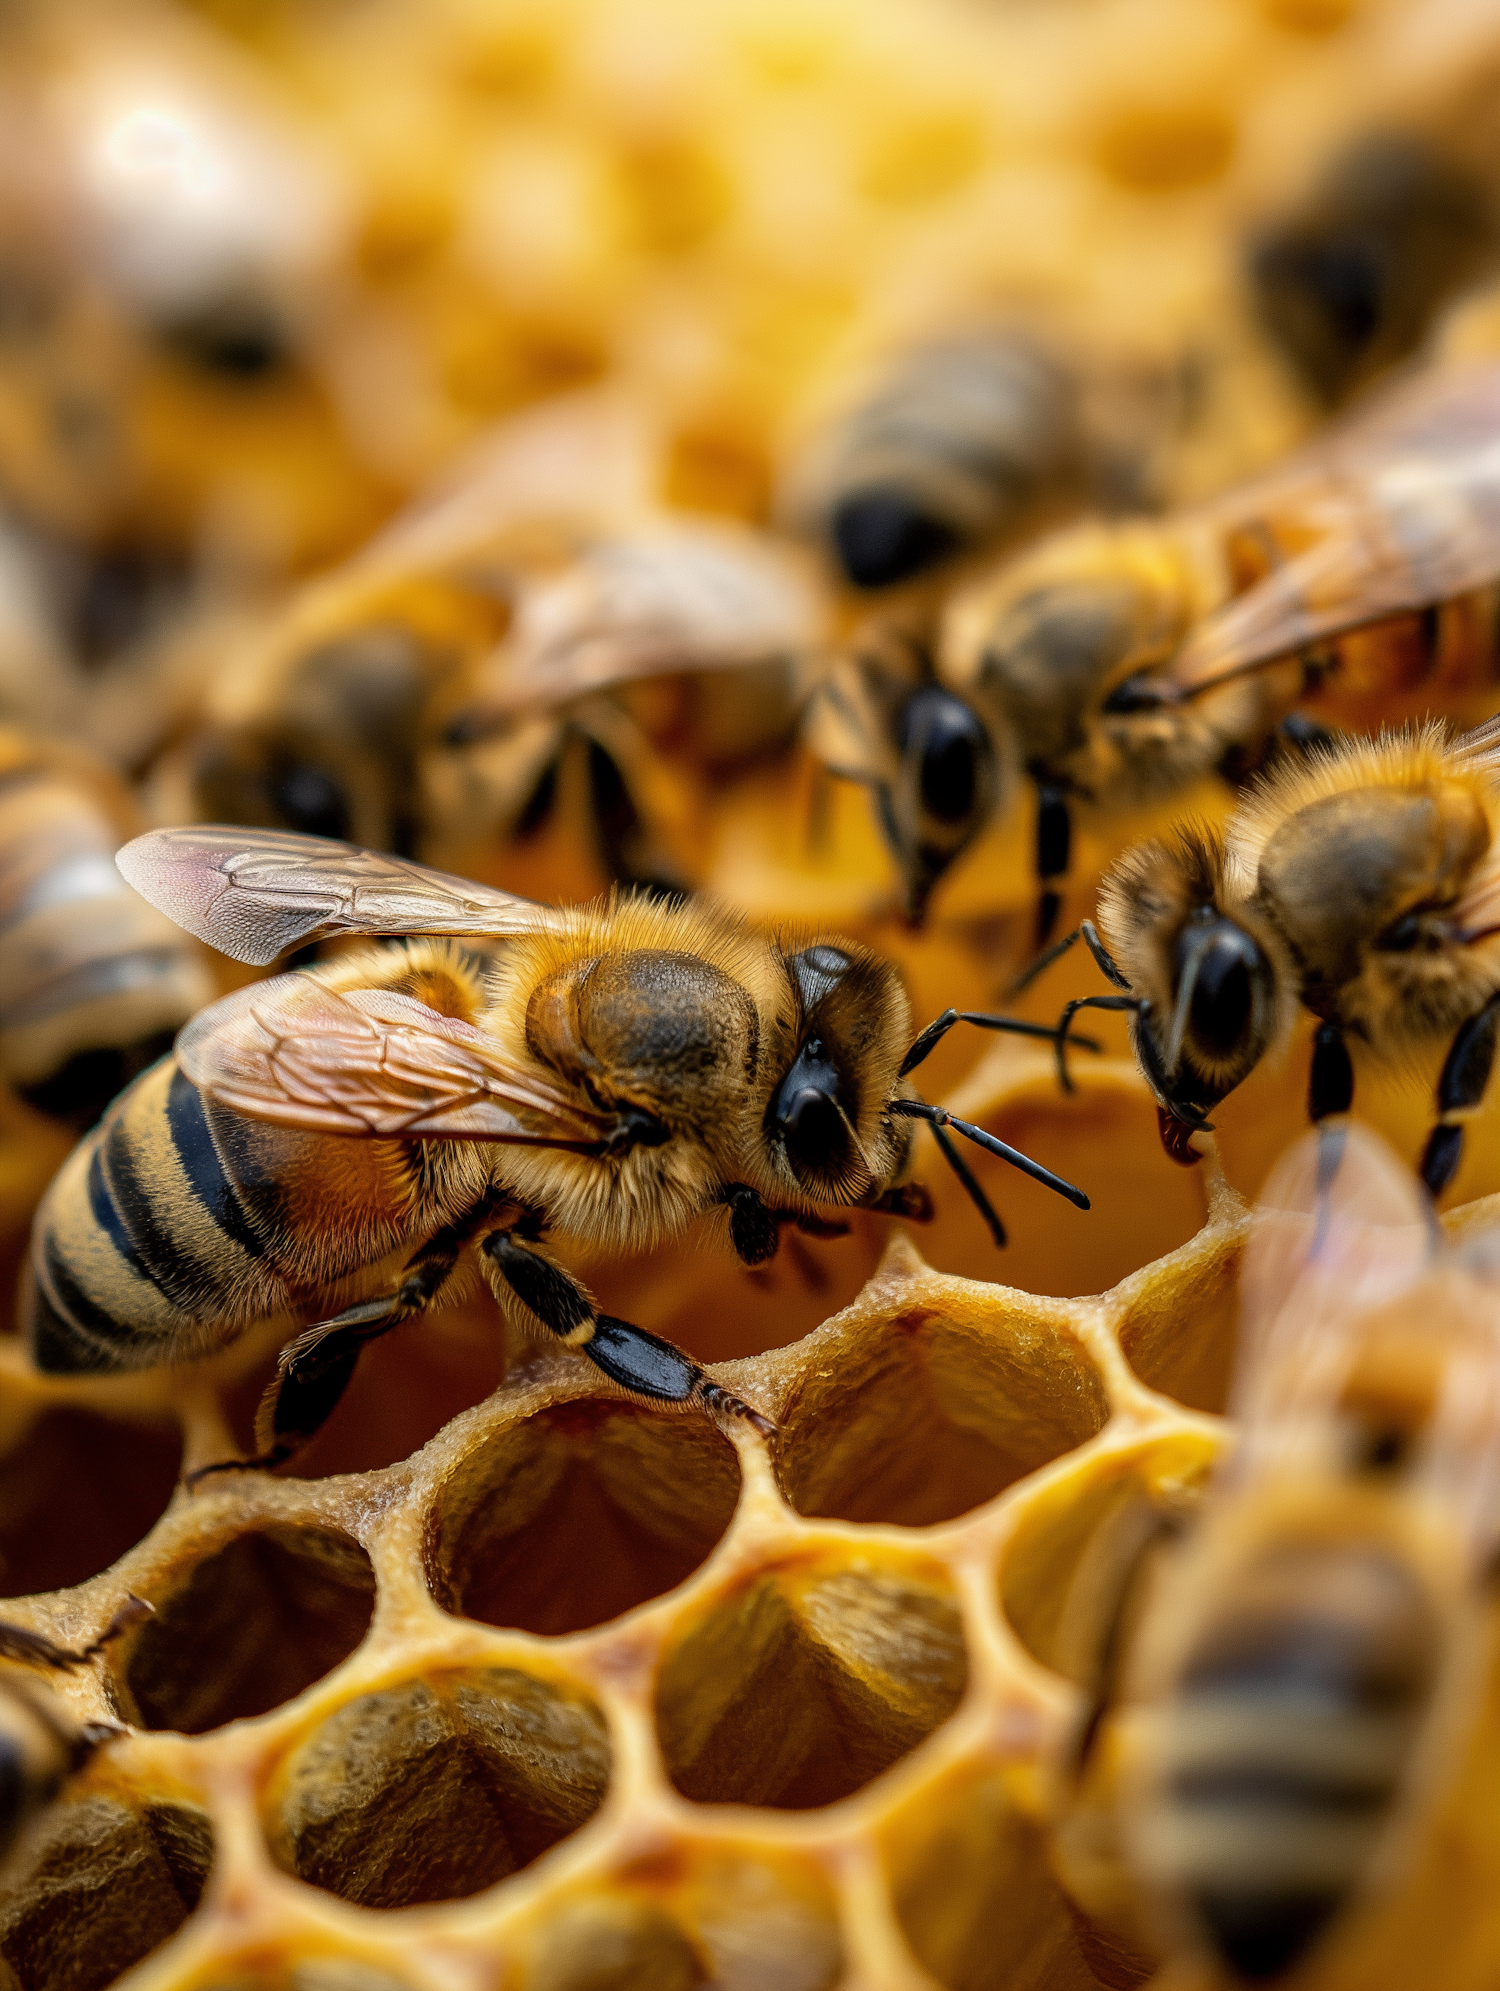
(370, 1062)
(255, 893)
(1415, 531)
(1342, 1225)
(670, 599)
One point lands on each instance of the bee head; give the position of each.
(946, 790)
(826, 1122)
(1217, 989)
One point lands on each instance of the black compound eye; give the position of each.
(1402, 935)
(883, 536)
(949, 743)
(1134, 694)
(1226, 965)
(805, 1112)
(307, 798)
(237, 344)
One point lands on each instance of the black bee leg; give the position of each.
(1061, 1038)
(641, 1364)
(313, 1370)
(1104, 961)
(1054, 850)
(1465, 1076)
(1018, 1026)
(1330, 1085)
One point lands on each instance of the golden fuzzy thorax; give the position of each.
(1360, 859)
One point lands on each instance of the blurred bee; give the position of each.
(614, 1073)
(1305, 1665)
(959, 443)
(539, 619)
(41, 1744)
(1117, 664)
(176, 268)
(1363, 885)
(1350, 280)
(94, 983)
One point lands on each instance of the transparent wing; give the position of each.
(1342, 1225)
(1405, 500)
(255, 893)
(664, 600)
(369, 1062)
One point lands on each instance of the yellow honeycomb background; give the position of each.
(512, 1685)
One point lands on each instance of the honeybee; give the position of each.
(1302, 1672)
(41, 1744)
(1116, 664)
(612, 1073)
(1363, 885)
(93, 981)
(957, 444)
(1349, 280)
(536, 619)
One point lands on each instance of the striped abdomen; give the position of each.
(1285, 1746)
(176, 1224)
(93, 981)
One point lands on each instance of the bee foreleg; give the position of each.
(1462, 1085)
(933, 1035)
(640, 1363)
(1061, 1039)
(1330, 1083)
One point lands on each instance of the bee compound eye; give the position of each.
(810, 1125)
(949, 743)
(1225, 969)
(883, 536)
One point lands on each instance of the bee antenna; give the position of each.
(937, 1116)
(1043, 962)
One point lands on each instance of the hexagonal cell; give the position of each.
(101, 1885)
(405, 1388)
(247, 1628)
(685, 1917)
(581, 1512)
(1177, 1329)
(435, 1788)
(76, 1492)
(1104, 1139)
(809, 1678)
(972, 1892)
(937, 1411)
(1069, 1531)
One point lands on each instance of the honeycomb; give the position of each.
(508, 1684)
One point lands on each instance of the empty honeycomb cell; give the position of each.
(938, 1410)
(971, 1888)
(435, 1788)
(580, 1513)
(247, 1628)
(76, 1491)
(1067, 1539)
(1178, 1328)
(405, 1388)
(1159, 148)
(102, 1884)
(685, 1917)
(806, 1680)
(1104, 1140)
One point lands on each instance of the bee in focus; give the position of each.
(94, 983)
(958, 443)
(1114, 665)
(328, 1145)
(1300, 1677)
(41, 1744)
(538, 641)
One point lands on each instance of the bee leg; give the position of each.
(1330, 1085)
(1054, 851)
(1465, 1077)
(1019, 1026)
(1061, 1039)
(313, 1370)
(641, 1364)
